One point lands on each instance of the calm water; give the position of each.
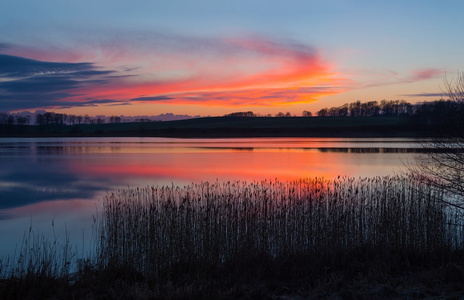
(63, 180)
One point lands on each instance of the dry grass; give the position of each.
(41, 268)
(162, 232)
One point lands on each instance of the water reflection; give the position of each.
(24, 182)
(63, 179)
(36, 170)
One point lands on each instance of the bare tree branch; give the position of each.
(443, 168)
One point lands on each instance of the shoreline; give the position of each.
(236, 127)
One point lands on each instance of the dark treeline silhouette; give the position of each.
(51, 118)
(434, 110)
(430, 113)
(440, 113)
(7, 119)
(241, 114)
(250, 114)
(370, 109)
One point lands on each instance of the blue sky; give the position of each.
(215, 57)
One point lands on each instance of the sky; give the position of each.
(206, 57)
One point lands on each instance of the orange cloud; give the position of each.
(256, 72)
(158, 68)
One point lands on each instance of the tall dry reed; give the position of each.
(39, 256)
(158, 230)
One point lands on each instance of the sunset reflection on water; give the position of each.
(64, 180)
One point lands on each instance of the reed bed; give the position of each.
(39, 256)
(40, 268)
(162, 232)
(228, 240)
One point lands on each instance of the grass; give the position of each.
(226, 239)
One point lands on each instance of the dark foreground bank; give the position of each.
(383, 238)
(441, 282)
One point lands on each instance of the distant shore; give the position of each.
(230, 127)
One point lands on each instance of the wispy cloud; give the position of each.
(155, 98)
(390, 77)
(249, 71)
(424, 74)
(18, 67)
(436, 95)
(252, 70)
(252, 97)
(27, 83)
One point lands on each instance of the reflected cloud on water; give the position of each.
(24, 183)
(65, 179)
(35, 170)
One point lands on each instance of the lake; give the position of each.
(55, 185)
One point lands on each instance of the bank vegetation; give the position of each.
(238, 240)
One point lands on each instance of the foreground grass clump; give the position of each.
(310, 237)
(41, 268)
(301, 228)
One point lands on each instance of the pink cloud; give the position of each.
(250, 71)
(388, 77)
(424, 74)
(210, 71)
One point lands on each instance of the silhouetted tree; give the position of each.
(444, 167)
(370, 109)
(22, 120)
(39, 119)
(72, 119)
(355, 109)
(241, 114)
(143, 120)
(307, 113)
(323, 112)
(115, 119)
(3, 118)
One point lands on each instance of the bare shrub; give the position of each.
(443, 167)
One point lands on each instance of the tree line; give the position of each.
(250, 114)
(370, 109)
(7, 119)
(388, 108)
(52, 118)
(434, 111)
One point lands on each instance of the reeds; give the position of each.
(162, 232)
(216, 238)
(39, 256)
(41, 268)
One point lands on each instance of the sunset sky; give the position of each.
(211, 57)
